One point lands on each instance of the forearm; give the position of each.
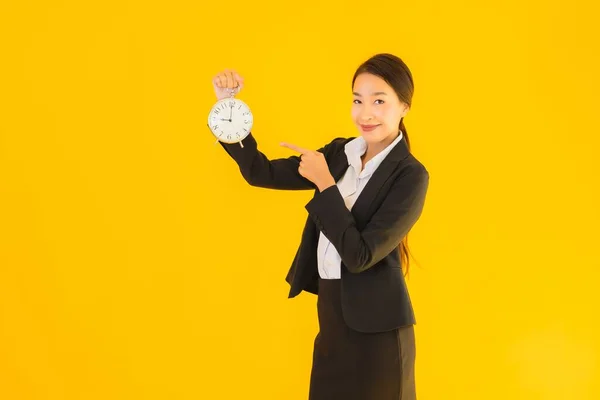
(362, 249)
(259, 171)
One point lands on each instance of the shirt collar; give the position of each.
(355, 148)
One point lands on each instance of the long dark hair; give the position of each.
(395, 73)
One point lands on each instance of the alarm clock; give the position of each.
(230, 120)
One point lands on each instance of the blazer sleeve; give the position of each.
(259, 171)
(361, 250)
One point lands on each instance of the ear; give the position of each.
(405, 110)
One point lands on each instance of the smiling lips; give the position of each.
(368, 128)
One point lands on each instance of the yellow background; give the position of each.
(135, 262)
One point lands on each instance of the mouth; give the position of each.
(368, 128)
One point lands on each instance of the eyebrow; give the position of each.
(374, 94)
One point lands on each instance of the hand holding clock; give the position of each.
(225, 82)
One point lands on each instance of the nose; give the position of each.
(365, 114)
(363, 117)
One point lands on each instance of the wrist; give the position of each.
(326, 184)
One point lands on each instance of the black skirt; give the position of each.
(350, 365)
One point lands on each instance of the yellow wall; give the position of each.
(135, 263)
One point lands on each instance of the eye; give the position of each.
(380, 101)
(356, 101)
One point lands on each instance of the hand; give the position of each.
(225, 81)
(313, 167)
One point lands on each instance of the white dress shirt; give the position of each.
(350, 186)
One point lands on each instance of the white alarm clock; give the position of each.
(230, 120)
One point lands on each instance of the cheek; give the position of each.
(390, 115)
(354, 113)
(382, 113)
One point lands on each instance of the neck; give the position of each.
(375, 148)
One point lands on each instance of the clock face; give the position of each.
(230, 120)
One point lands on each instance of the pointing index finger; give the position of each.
(296, 148)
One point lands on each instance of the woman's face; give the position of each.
(376, 109)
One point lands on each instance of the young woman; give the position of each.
(369, 192)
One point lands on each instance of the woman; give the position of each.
(369, 192)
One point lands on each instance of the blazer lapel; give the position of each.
(361, 210)
(338, 165)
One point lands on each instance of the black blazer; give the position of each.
(374, 293)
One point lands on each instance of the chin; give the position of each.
(372, 137)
